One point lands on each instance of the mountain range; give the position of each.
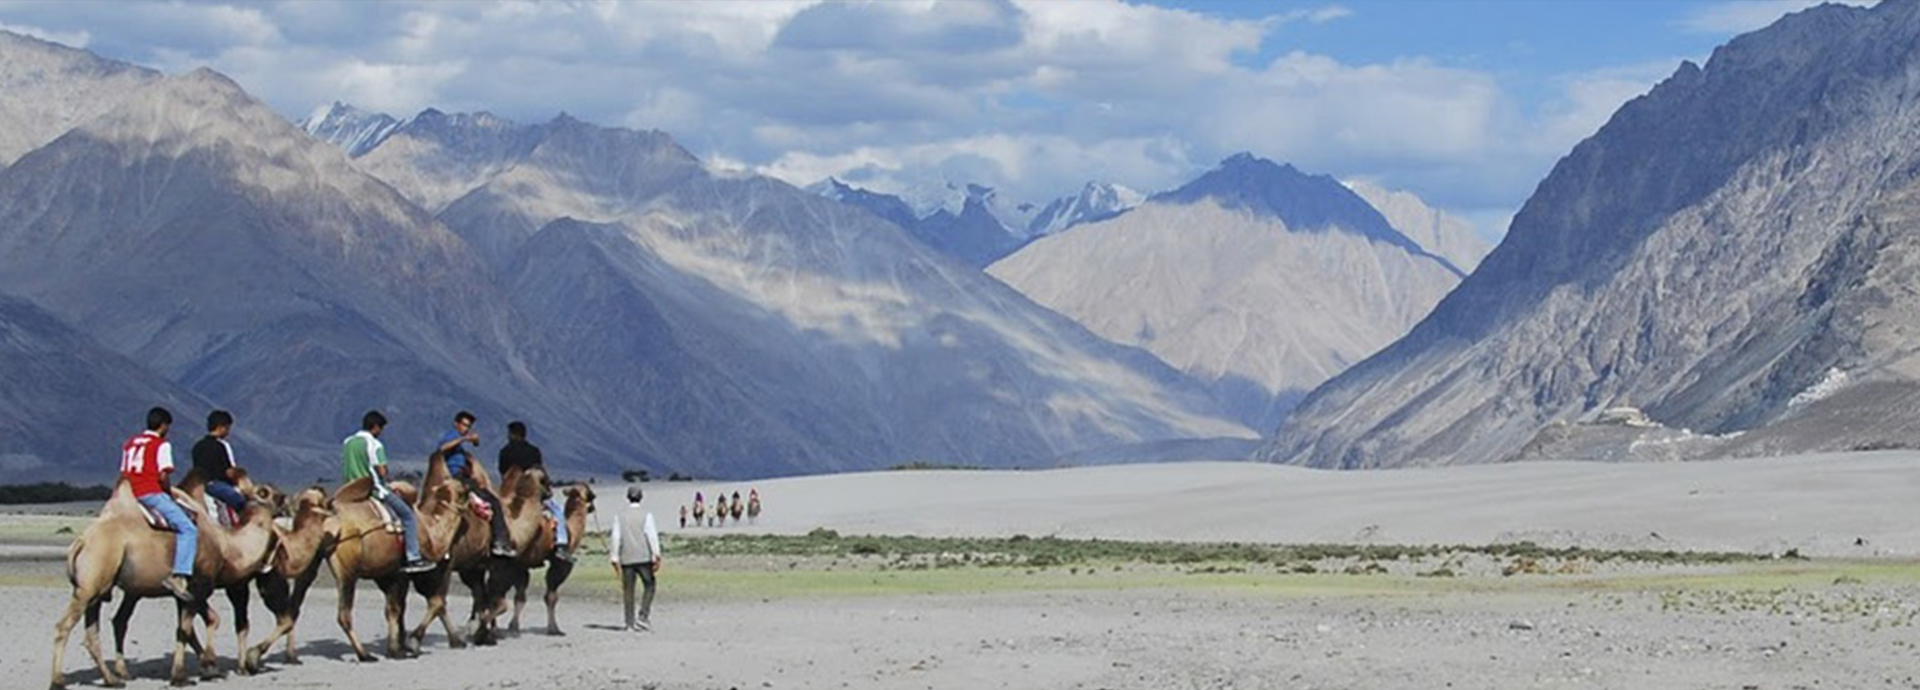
(976, 226)
(636, 308)
(1256, 278)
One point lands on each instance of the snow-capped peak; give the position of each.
(1096, 201)
(355, 130)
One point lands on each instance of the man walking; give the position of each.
(521, 455)
(634, 548)
(213, 458)
(146, 460)
(362, 455)
(460, 464)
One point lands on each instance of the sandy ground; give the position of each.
(1849, 619)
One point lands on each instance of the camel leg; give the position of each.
(476, 582)
(122, 616)
(293, 612)
(557, 573)
(239, 597)
(92, 643)
(272, 593)
(183, 631)
(346, 588)
(519, 601)
(209, 658)
(436, 593)
(396, 591)
(83, 605)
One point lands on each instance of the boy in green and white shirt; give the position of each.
(362, 455)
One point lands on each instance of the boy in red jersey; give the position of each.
(146, 460)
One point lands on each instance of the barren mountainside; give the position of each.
(1733, 253)
(1255, 277)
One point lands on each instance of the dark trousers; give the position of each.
(499, 520)
(644, 571)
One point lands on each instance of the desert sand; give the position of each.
(1850, 617)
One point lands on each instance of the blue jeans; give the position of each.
(225, 493)
(560, 520)
(186, 537)
(409, 527)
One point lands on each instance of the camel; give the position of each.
(228, 559)
(470, 556)
(119, 549)
(739, 508)
(303, 547)
(533, 538)
(367, 550)
(753, 509)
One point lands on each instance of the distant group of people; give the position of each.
(722, 509)
(147, 464)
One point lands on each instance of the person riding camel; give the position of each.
(460, 464)
(213, 458)
(146, 461)
(520, 454)
(362, 455)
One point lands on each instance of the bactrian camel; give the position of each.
(367, 550)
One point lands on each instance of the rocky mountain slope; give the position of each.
(47, 88)
(1733, 253)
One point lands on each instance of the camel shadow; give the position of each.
(603, 626)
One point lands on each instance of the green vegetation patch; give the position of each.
(1021, 551)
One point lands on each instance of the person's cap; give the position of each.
(633, 494)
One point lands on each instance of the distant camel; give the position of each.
(296, 563)
(738, 508)
(367, 550)
(699, 511)
(533, 539)
(119, 549)
(753, 508)
(720, 510)
(228, 560)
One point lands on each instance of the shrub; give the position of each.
(52, 492)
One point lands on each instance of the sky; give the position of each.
(1467, 104)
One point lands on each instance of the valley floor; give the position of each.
(739, 612)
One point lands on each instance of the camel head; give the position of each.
(579, 497)
(315, 530)
(265, 497)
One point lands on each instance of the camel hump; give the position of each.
(354, 491)
(406, 491)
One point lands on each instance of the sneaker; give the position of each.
(418, 565)
(642, 626)
(562, 553)
(177, 586)
(504, 551)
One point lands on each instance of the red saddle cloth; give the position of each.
(480, 507)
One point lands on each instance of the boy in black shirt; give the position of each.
(213, 458)
(520, 454)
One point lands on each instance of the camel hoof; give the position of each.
(293, 661)
(368, 658)
(555, 632)
(456, 643)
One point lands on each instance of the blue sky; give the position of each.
(1467, 104)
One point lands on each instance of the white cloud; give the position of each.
(76, 39)
(1032, 96)
(1588, 99)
